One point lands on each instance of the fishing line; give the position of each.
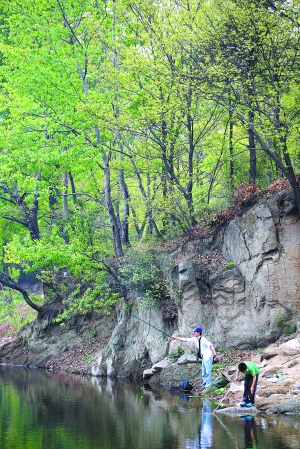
(164, 333)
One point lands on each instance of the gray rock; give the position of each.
(237, 411)
(260, 289)
(291, 406)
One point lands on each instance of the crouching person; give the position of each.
(251, 372)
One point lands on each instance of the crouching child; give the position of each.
(251, 372)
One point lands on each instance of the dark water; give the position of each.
(40, 410)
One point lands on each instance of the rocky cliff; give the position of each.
(241, 285)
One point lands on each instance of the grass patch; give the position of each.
(217, 366)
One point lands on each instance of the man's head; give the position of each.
(197, 331)
(242, 367)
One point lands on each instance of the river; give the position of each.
(51, 411)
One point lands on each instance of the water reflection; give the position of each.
(206, 431)
(40, 410)
(185, 397)
(250, 432)
(205, 438)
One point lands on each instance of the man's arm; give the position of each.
(179, 338)
(214, 352)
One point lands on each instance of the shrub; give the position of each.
(138, 269)
(291, 330)
(229, 264)
(175, 355)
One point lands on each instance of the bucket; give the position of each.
(220, 381)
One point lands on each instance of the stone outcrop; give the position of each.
(38, 342)
(248, 302)
(278, 385)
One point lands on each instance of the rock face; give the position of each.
(40, 342)
(242, 286)
(267, 255)
(248, 302)
(252, 301)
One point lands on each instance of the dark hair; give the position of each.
(242, 367)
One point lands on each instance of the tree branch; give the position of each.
(10, 283)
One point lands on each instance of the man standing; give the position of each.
(206, 352)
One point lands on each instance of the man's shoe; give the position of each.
(243, 404)
(249, 404)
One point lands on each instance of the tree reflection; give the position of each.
(39, 410)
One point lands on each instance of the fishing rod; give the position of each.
(150, 325)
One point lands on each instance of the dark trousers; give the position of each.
(248, 397)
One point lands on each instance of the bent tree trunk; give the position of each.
(10, 283)
(30, 218)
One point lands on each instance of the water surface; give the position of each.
(41, 410)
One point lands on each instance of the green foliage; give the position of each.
(14, 313)
(180, 351)
(127, 308)
(217, 366)
(149, 299)
(99, 298)
(93, 333)
(112, 132)
(291, 330)
(280, 321)
(138, 269)
(176, 354)
(88, 358)
(229, 264)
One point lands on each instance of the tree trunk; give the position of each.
(65, 196)
(252, 149)
(115, 228)
(8, 282)
(125, 196)
(110, 209)
(190, 184)
(231, 153)
(74, 196)
(30, 220)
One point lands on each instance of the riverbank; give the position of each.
(278, 388)
(279, 365)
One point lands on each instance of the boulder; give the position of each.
(291, 347)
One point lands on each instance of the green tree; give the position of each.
(258, 46)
